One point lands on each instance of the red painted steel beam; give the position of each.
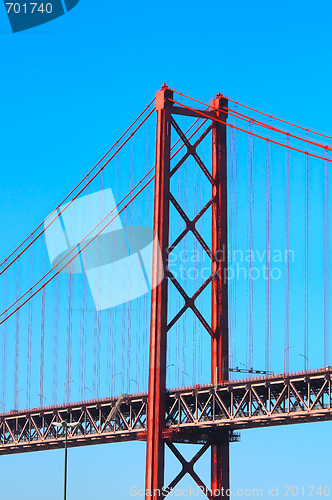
(155, 454)
(219, 299)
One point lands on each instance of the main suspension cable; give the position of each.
(78, 244)
(59, 212)
(81, 249)
(252, 133)
(267, 126)
(257, 111)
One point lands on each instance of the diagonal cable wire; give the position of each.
(76, 246)
(59, 212)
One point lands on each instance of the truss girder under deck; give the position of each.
(197, 414)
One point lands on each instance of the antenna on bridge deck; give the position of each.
(240, 370)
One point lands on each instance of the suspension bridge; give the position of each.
(166, 298)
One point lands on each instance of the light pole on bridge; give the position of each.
(42, 398)
(185, 373)
(18, 397)
(132, 380)
(306, 361)
(285, 351)
(119, 373)
(64, 389)
(64, 425)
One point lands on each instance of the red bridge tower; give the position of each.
(157, 434)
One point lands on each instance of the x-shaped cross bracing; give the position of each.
(188, 468)
(191, 226)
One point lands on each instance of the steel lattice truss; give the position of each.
(194, 414)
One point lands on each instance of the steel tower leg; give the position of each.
(219, 300)
(157, 371)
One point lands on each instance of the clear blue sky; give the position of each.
(69, 88)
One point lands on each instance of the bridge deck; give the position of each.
(194, 414)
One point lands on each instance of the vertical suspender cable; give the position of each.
(201, 297)
(306, 265)
(114, 317)
(29, 331)
(169, 333)
(99, 271)
(95, 332)
(248, 263)
(184, 316)
(194, 365)
(145, 331)
(179, 375)
(232, 243)
(326, 263)
(109, 348)
(96, 314)
(235, 165)
(69, 336)
(95, 324)
(252, 230)
(194, 372)
(56, 331)
(17, 338)
(129, 310)
(55, 339)
(123, 341)
(109, 352)
(4, 345)
(230, 263)
(82, 337)
(42, 332)
(177, 324)
(69, 318)
(82, 329)
(123, 326)
(138, 309)
(82, 358)
(250, 244)
(287, 216)
(267, 258)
